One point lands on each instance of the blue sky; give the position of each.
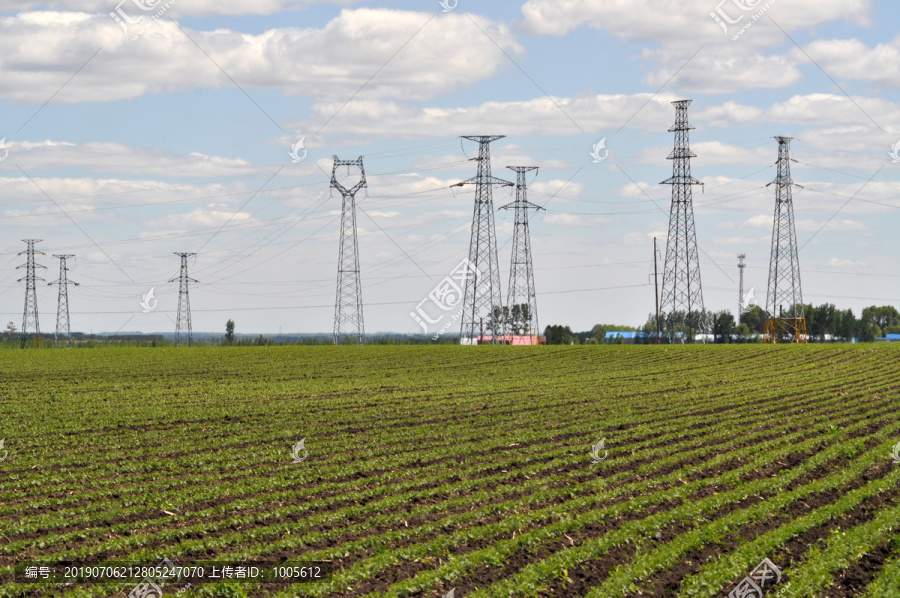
(126, 146)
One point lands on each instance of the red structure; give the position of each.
(512, 339)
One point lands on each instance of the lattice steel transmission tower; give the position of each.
(785, 317)
(30, 319)
(348, 305)
(62, 305)
(741, 266)
(183, 323)
(482, 297)
(681, 288)
(521, 297)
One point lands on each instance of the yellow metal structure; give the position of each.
(781, 329)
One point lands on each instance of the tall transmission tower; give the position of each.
(348, 305)
(30, 320)
(183, 323)
(63, 329)
(482, 296)
(521, 296)
(681, 288)
(786, 320)
(741, 266)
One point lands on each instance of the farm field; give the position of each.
(428, 469)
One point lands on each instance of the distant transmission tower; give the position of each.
(348, 305)
(521, 296)
(63, 329)
(786, 321)
(30, 318)
(183, 323)
(681, 289)
(482, 297)
(741, 266)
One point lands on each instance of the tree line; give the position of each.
(823, 323)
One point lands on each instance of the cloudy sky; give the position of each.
(139, 129)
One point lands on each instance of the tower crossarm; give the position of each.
(341, 188)
(491, 180)
(682, 180)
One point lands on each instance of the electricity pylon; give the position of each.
(482, 301)
(521, 297)
(785, 317)
(348, 305)
(681, 288)
(63, 328)
(30, 319)
(183, 323)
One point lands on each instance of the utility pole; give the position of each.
(348, 305)
(784, 264)
(741, 266)
(30, 317)
(522, 298)
(482, 292)
(681, 288)
(62, 306)
(656, 290)
(183, 323)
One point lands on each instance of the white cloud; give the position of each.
(738, 241)
(204, 217)
(540, 116)
(814, 109)
(120, 159)
(180, 7)
(851, 59)
(728, 114)
(760, 220)
(668, 20)
(834, 225)
(725, 63)
(558, 187)
(41, 50)
(714, 153)
(575, 219)
(839, 263)
(730, 69)
(638, 238)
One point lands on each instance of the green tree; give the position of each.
(820, 320)
(868, 332)
(519, 319)
(559, 335)
(883, 317)
(498, 320)
(845, 324)
(229, 332)
(724, 326)
(755, 319)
